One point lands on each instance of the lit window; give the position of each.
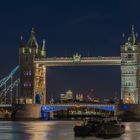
(27, 73)
(25, 84)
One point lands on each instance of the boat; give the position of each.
(82, 130)
(110, 129)
(100, 127)
(87, 128)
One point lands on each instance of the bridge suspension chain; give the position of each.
(7, 84)
(7, 78)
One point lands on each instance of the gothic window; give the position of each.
(30, 73)
(129, 83)
(125, 56)
(37, 83)
(27, 84)
(130, 55)
(27, 73)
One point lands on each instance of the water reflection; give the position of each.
(54, 130)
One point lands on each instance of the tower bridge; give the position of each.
(33, 61)
(29, 88)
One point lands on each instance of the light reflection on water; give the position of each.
(55, 130)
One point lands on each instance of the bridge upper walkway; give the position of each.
(78, 61)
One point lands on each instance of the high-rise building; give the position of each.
(62, 97)
(79, 97)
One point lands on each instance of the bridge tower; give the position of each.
(32, 76)
(130, 72)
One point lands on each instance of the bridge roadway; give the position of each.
(56, 107)
(83, 61)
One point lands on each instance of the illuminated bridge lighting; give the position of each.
(57, 107)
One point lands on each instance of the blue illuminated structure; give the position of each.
(38, 99)
(125, 107)
(55, 107)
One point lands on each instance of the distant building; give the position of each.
(90, 99)
(66, 97)
(79, 97)
(96, 100)
(106, 100)
(52, 100)
(62, 97)
(69, 95)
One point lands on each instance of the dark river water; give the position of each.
(55, 130)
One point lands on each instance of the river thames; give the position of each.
(55, 130)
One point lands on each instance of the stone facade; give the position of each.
(130, 69)
(32, 76)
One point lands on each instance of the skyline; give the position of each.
(69, 28)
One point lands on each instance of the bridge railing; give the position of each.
(78, 104)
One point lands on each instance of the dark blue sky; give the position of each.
(70, 26)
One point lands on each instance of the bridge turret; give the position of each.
(32, 42)
(32, 76)
(132, 42)
(129, 69)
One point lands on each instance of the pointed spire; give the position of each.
(133, 37)
(32, 39)
(123, 39)
(43, 43)
(43, 49)
(129, 39)
(136, 35)
(21, 38)
(21, 41)
(132, 28)
(123, 35)
(33, 32)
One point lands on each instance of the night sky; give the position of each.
(90, 27)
